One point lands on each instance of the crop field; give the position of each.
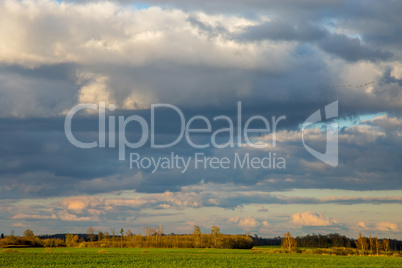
(136, 257)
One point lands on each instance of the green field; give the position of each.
(116, 257)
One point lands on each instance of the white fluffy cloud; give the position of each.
(99, 38)
(361, 224)
(310, 218)
(387, 226)
(135, 57)
(248, 223)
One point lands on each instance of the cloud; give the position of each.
(71, 217)
(22, 216)
(121, 37)
(262, 209)
(77, 205)
(19, 224)
(310, 218)
(361, 224)
(94, 89)
(385, 122)
(247, 223)
(387, 226)
(119, 52)
(282, 30)
(351, 49)
(136, 210)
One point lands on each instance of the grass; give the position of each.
(262, 247)
(154, 257)
(9, 250)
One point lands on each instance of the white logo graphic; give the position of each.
(330, 156)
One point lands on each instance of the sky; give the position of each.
(271, 59)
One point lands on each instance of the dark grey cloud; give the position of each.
(351, 49)
(283, 30)
(213, 31)
(38, 160)
(347, 48)
(250, 8)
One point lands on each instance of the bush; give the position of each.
(9, 250)
(396, 254)
(82, 245)
(338, 251)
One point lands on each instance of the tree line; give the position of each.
(156, 238)
(333, 240)
(153, 238)
(334, 244)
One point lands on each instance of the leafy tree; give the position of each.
(288, 242)
(100, 236)
(76, 239)
(197, 230)
(215, 230)
(362, 243)
(71, 240)
(377, 244)
(29, 233)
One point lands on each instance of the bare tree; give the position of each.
(159, 230)
(121, 237)
(197, 236)
(216, 235)
(371, 244)
(385, 244)
(377, 244)
(113, 233)
(149, 231)
(129, 234)
(90, 233)
(106, 235)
